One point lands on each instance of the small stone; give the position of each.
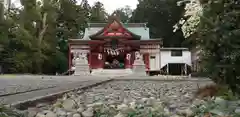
(189, 112)
(40, 105)
(237, 110)
(51, 114)
(76, 115)
(126, 101)
(69, 114)
(40, 115)
(112, 106)
(32, 112)
(133, 105)
(69, 104)
(80, 109)
(150, 101)
(88, 113)
(61, 112)
(119, 115)
(122, 106)
(198, 102)
(143, 100)
(166, 111)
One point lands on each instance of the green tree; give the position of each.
(124, 13)
(34, 38)
(71, 23)
(189, 22)
(98, 13)
(219, 33)
(160, 17)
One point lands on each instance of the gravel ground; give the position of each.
(179, 92)
(119, 98)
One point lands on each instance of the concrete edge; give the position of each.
(160, 79)
(8, 94)
(51, 97)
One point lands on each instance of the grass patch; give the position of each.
(225, 93)
(7, 112)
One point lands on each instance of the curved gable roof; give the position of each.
(114, 20)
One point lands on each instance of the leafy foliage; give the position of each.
(124, 13)
(191, 19)
(98, 14)
(6, 112)
(217, 108)
(34, 37)
(160, 17)
(219, 39)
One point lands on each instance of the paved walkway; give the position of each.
(21, 87)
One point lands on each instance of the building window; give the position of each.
(152, 57)
(176, 53)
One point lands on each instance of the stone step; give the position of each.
(111, 72)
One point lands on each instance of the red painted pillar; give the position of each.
(101, 56)
(146, 61)
(100, 60)
(128, 61)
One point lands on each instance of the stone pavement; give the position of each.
(15, 88)
(21, 87)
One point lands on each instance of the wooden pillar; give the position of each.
(167, 69)
(147, 61)
(128, 59)
(185, 69)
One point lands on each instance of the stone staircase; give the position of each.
(111, 72)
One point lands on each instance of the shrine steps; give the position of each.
(111, 72)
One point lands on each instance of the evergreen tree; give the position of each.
(98, 13)
(161, 16)
(34, 38)
(124, 13)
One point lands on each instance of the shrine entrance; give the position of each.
(114, 62)
(114, 58)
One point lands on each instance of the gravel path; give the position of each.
(119, 91)
(117, 98)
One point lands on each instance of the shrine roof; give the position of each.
(135, 31)
(101, 25)
(142, 31)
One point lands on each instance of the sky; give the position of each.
(109, 5)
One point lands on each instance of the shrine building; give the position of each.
(115, 46)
